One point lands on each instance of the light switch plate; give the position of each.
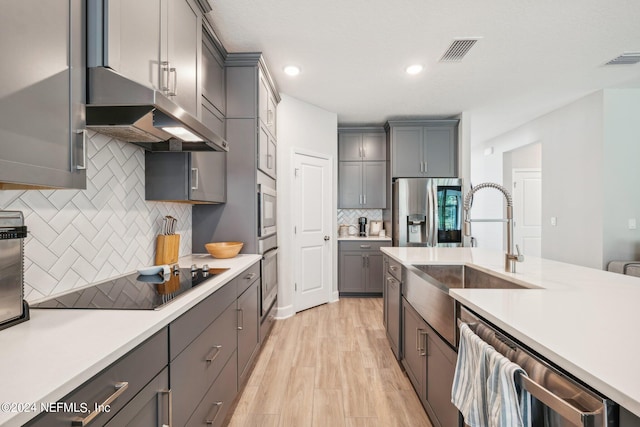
(632, 224)
(554, 221)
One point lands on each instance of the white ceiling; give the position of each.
(534, 56)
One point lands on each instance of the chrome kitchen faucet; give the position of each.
(510, 258)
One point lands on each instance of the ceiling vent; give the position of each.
(458, 49)
(627, 58)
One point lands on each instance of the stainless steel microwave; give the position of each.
(267, 201)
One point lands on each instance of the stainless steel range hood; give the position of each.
(131, 112)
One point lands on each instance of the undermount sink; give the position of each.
(459, 276)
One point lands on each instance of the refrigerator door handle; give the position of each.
(434, 199)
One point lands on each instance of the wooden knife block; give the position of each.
(167, 249)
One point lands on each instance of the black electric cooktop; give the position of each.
(133, 291)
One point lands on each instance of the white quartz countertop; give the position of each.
(57, 350)
(581, 319)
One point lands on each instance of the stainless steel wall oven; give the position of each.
(267, 201)
(269, 272)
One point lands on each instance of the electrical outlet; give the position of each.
(554, 221)
(632, 224)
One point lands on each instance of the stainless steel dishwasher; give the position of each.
(557, 399)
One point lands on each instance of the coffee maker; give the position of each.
(362, 223)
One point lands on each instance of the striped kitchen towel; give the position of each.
(507, 404)
(468, 392)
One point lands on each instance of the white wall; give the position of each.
(621, 159)
(590, 152)
(307, 127)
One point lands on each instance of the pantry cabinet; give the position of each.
(423, 148)
(42, 94)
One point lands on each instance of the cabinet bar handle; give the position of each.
(269, 117)
(214, 353)
(83, 166)
(393, 268)
(121, 387)
(195, 177)
(364, 152)
(365, 246)
(425, 348)
(165, 77)
(174, 92)
(360, 152)
(241, 321)
(269, 161)
(211, 418)
(364, 197)
(170, 406)
(249, 276)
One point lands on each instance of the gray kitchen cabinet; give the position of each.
(362, 185)
(150, 407)
(119, 385)
(248, 329)
(430, 365)
(360, 267)
(267, 104)
(154, 42)
(392, 294)
(267, 152)
(213, 83)
(197, 177)
(42, 94)
(425, 148)
(248, 165)
(361, 144)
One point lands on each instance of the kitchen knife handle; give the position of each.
(121, 387)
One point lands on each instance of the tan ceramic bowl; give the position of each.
(224, 249)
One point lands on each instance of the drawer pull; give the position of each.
(169, 406)
(214, 353)
(250, 276)
(393, 268)
(365, 246)
(211, 418)
(241, 320)
(120, 388)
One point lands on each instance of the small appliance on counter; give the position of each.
(362, 226)
(375, 227)
(13, 308)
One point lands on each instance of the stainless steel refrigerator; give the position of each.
(427, 212)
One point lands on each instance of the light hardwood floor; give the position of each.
(329, 366)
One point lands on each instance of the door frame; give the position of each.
(513, 180)
(296, 151)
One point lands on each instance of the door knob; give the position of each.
(326, 238)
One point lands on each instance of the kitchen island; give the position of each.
(57, 350)
(580, 319)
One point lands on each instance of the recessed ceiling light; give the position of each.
(414, 69)
(292, 70)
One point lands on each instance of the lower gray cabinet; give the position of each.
(248, 329)
(360, 267)
(150, 407)
(392, 293)
(430, 365)
(119, 384)
(195, 370)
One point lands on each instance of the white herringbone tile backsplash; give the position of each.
(78, 237)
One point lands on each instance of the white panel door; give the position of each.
(313, 178)
(527, 211)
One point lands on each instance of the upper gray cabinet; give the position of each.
(154, 42)
(426, 148)
(368, 146)
(42, 138)
(362, 169)
(267, 104)
(213, 83)
(195, 177)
